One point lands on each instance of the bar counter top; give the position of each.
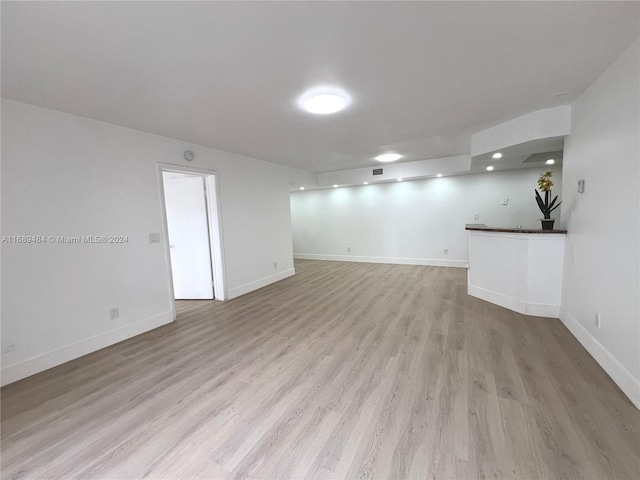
(484, 228)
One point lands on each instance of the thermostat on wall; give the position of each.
(189, 155)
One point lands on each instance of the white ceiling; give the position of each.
(423, 76)
(516, 156)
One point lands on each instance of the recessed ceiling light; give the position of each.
(400, 179)
(301, 188)
(497, 155)
(489, 168)
(335, 186)
(439, 175)
(366, 183)
(324, 102)
(551, 161)
(388, 157)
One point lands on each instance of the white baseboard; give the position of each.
(618, 373)
(26, 368)
(263, 282)
(393, 260)
(515, 304)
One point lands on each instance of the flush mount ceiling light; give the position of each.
(301, 188)
(551, 161)
(489, 168)
(496, 155)
(323, 102)
(400, 179)
(439, 175)
(335, 186)
(366, 183)
(388, 157)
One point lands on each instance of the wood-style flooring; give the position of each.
(345, 371)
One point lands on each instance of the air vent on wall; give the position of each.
(377, 171)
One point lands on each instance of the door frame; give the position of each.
(212, 191)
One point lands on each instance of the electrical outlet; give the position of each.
(275, 264)
(476, 216)
(598, 321)
(154, 237)
(446, 251)
(114, 313)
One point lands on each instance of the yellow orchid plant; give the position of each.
(545, 184)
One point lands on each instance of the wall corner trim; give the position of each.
(629, 385)
(26, 368)
(515, 304)
(262, 282)
(393, 260)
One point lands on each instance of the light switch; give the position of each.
(505, 200)
(580, 186)
(154, 237)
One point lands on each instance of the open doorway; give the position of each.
(192, 232)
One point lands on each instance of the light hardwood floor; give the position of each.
(344, 371)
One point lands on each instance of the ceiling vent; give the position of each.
(377, 171)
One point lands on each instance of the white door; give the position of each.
(188, 236)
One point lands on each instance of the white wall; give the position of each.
(602, 258)
(412, 221)
(68, 175)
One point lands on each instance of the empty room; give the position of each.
(320, 240)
